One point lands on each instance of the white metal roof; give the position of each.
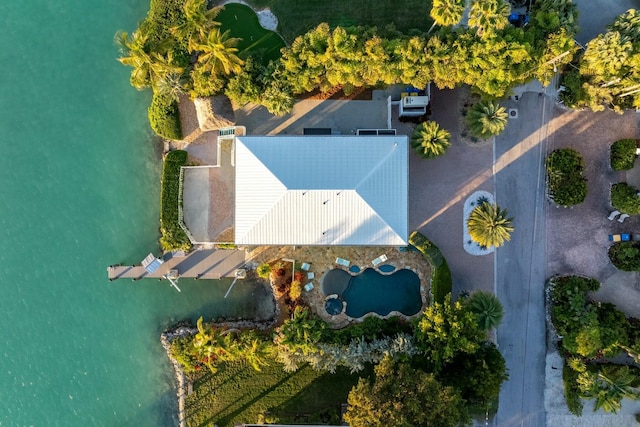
(321, 190)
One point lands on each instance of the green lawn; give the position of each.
(243, 23)
(239, 394)
(296, 17)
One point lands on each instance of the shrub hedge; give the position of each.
(571, 392)
(164, 117)
(623, 154)
(625, 199)
(567, 186)
(440, 274)
(173, 236)
(625, 255)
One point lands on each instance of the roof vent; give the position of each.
(513, 113)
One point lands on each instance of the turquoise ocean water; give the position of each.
(79, 191)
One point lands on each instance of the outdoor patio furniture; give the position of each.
(311, 275)
(381, 258)
(623, 217)
(343, 262)
(308, 286)
(619, 237)
(305, 266)
(613, 215)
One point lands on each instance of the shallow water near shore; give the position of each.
(80, 191)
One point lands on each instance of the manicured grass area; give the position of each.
(296, 17)
(173, 236)
(240, 394)
(441, 275)
(243, 23)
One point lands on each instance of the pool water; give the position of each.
(372, 292)
(386, 268)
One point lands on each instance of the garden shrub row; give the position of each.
(567, 185)
(623, 154)
(624, 198)
(173, 236)
(591, 332)
(164, 117)
(625, 255)
(441, 283)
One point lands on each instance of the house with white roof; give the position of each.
(321, 190)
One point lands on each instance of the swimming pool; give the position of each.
(372, 292)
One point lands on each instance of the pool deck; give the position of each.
(322, 259)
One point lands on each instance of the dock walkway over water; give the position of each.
(200, 264)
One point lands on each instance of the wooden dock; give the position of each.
(203, 264)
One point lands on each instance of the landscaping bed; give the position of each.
(623, 154)
(624, 198)
(566, 183)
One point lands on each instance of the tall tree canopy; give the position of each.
(401, 396)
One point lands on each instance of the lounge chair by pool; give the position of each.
(381, 258)
(613, 215)
(305, 266)
(311, 276)
(343, 262)
(308, 286)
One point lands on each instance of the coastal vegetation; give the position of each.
(430, 140)
(567, 185)
(624, 197)
(247, 376)
(164, 116)
(486, 119)
(441, 282)
(173, 236)
(591, 335)
(489, 225)
(623, 154)
(182, 48)
(625, 255)
(597, 82)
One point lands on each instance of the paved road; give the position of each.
(520, 264)
(595, 15)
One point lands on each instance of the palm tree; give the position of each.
(486, 119)
(446, 12)
(200, 21)
(487, 308)
(489, 226)
(610, 386)
(218, 54)
(149, 67)
(430, 140)
(488, 15)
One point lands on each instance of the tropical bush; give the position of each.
(164, 117)
(487, 309)
(440, 274)
(571, 390)
(623, 154)
(173, 236)
(430, 140)
(624, 198)
(625, 255)
(567, 186)
(486, 119)
(264, 270)
(489, 225)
